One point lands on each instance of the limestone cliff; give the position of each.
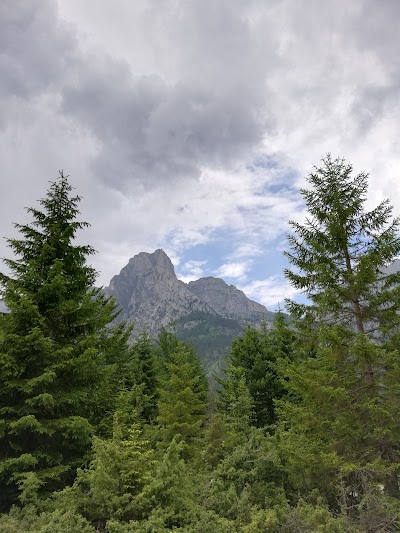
(228, 301)
(207, 313)
(150, 295)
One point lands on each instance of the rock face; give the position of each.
(227, 300)
(150, 295)
(207, 313)
(392, 268)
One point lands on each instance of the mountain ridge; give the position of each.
(226, 300)
(150, 295)
(207, 313)
(148, 292)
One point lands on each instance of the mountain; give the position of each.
(227, 300)
(208, 312)
(149, 294)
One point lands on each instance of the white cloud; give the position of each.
(181, 118)
(191, 271)
(233, 270)
(270, 291)
(246, 250)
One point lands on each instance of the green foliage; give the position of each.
(145, 377)
(237, 403)
(306, 437)
(339, 254)
(338, 436)
(54, 349)
(182, 398)
(118, 472)
(211, 336)
(216, 440)
(21, 521)
(341, 435)
(315, 518)
(167, 498)
(167, 343)
(266, 520)
(251, 363)
(248, 477)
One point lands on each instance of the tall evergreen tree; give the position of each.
(340, 253)
(252, 358)
(165, 352)
(53, 347)
(182, 398)
(145, 378)
(340, 436)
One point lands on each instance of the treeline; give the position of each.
(303, 434)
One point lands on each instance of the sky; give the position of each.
(189, 125)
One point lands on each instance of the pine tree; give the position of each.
(54, 345)
(340, 436)
(182, 398)
(252, 359)
(340, 253)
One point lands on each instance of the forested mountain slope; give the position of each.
(207, 313)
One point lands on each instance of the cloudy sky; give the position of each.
(189, 125)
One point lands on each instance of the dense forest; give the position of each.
(302, 433)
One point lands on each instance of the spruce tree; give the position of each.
(252, 358)
(182, 398)
(340, 253)
(340, 436)
(54, 345)
(146, 376)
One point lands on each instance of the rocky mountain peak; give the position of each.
(227, 300)
(150, 295)
(148, 263)
(207, 313)
(143, 270)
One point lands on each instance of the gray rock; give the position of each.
(228, 301)
(207, 313)
(149, 294)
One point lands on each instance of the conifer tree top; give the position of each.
(46, 247)
(339, 254)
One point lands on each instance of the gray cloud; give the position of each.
(379, 42)
(155, 106)
(214, 115)
(146, 129)
(36, 49)
(158, 132)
